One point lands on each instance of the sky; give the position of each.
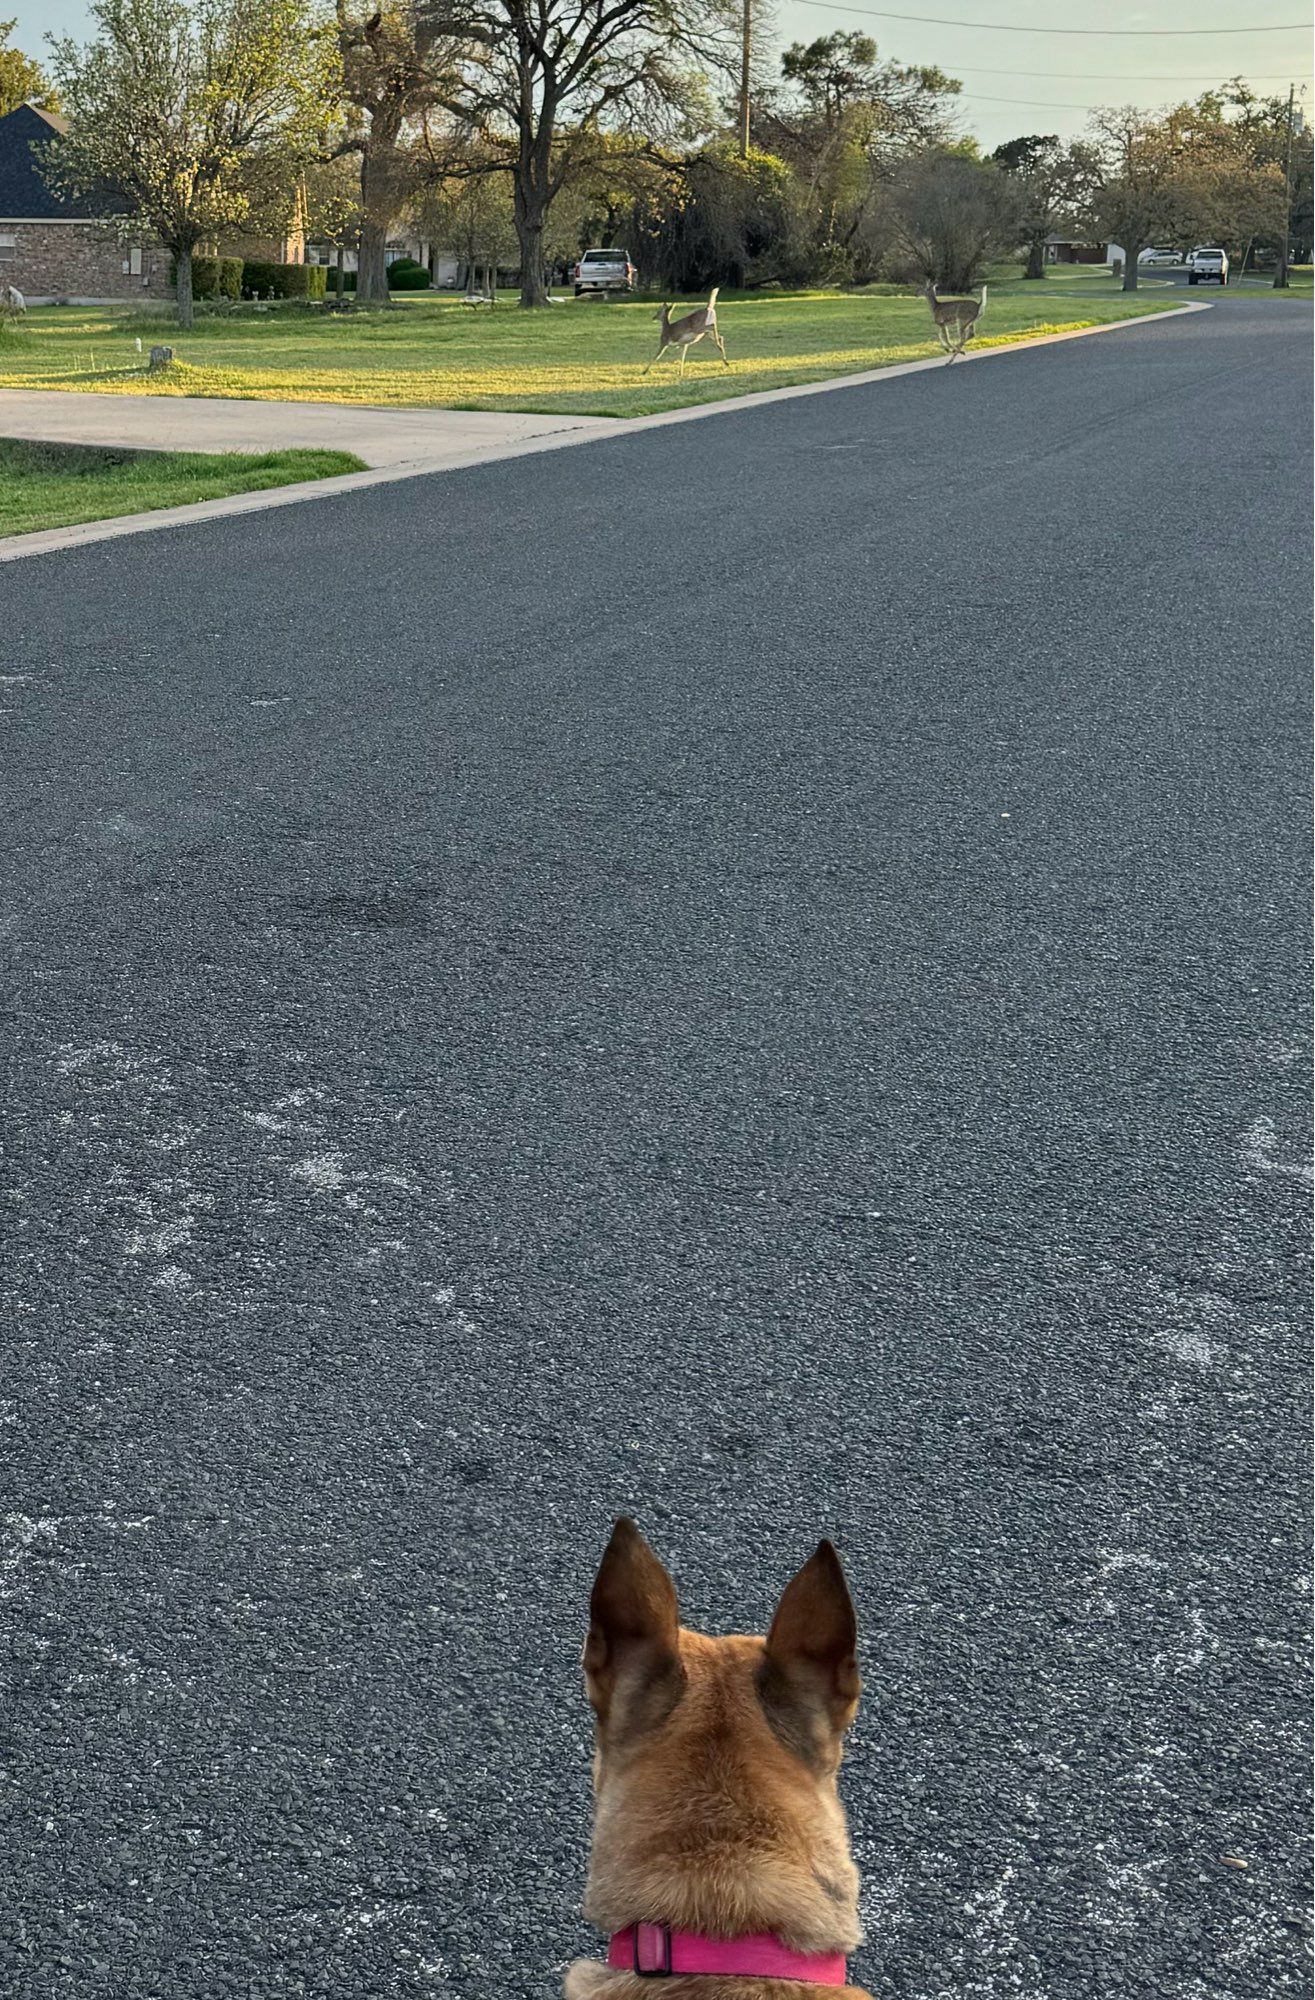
(1040, 80)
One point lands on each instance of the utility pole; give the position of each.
(746, 49)
(1281, 275)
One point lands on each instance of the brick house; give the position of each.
(55, 249)
(58, 251)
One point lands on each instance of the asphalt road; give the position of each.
(752, 973)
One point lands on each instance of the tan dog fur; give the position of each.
(715, 1765)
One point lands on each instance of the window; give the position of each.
(8, 249)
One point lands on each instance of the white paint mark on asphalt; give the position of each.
(1189, 1343)
(1260, 1154)
(1113, 1563)
(169, 1236)
(284, 1115)
(21, 1537)
(996, 1947)
(322, 1171)
(108, 1066)
(1280, 1050)
(1197, 1327)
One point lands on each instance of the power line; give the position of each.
(1121, 76)
(1033, 103)
(1012, 28)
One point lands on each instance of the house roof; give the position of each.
(25, 194)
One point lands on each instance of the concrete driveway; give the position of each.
(428, 438)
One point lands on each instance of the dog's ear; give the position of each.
(810, 1660)
(634, 1624)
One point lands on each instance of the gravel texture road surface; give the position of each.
(751, 974)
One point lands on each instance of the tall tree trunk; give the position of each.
(379, 182)
(1131, 252)
(1036, 258)
(531, 194)
(372, 264)
(183, 287)
(529, 234)
(339, 265)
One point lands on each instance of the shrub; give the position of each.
(212, 277)
(405, 275)
(285, 281)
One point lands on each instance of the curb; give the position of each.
(45, 541)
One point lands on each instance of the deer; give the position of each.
(683, 332)
(960, 314)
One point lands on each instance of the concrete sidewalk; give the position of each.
(428, 439)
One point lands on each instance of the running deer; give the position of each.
(954, 316)
(683, 333)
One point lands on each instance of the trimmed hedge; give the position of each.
(284, 281)
(405, 275)
(212, 277)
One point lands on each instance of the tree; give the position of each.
(22, 81)
(1052, 182)
(332, 196)
(719, 219)
(191, 116)
(396, 70)
(841, 121)
(1278, 136)
(1136, 193)
(1231, 173)
(540, 80)
(951, 214)
(472, 214)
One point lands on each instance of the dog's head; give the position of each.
(715, 1760)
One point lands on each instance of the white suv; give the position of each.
(1207, 265)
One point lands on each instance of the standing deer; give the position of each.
(960, 314)
(683, 333)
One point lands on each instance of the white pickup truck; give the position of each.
(604, 271)
(1205, 264)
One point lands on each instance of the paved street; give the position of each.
(754, 974)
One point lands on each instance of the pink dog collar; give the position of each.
(655, 1952)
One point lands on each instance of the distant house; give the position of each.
(84, 252)
(448, 271)
(1063, 250)
(52, 247)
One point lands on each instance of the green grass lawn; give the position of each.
(54, 485)
(582, 357)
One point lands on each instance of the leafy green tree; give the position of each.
(193, 116)
(22, 81)
(719, 220)
(950, 214)
(1231, 182)
(1135, 196)
(539, 80)
(1053, 183)
(396, 71)
(331, 193)
(841, 121)
(470, 214)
